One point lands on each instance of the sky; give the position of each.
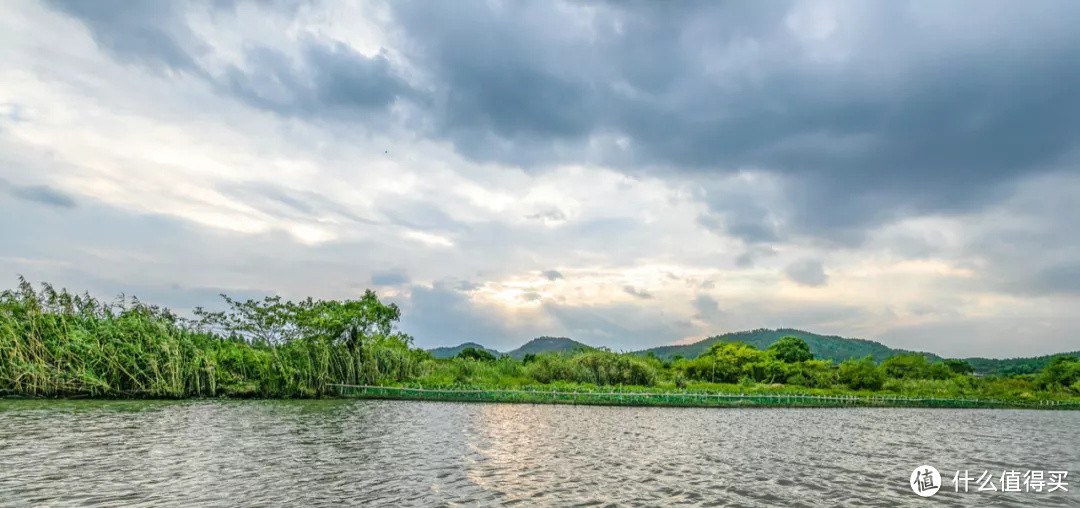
(628, 174)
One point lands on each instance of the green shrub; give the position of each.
(861, 374)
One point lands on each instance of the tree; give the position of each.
(1062, 371)
(959, 366)
(811, 373)
(726, 362)
(906, 366)
(479, 355)
(861, 374)
(276, 321)
(791, 349)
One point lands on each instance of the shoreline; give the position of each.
(595, 397)
(686, 399)
(609, 399)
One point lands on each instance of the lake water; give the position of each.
(302, 453)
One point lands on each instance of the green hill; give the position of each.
(1029, 365)
(825, 347)
(452, 351)
(535, 346)
(548, 345)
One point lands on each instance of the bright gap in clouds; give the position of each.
(629, 175)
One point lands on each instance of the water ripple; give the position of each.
(315, 453)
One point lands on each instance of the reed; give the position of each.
(59, 344)
(55, 343)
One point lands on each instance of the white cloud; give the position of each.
(178, 187)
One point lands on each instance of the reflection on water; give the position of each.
(422, 453)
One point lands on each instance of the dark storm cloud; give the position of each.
(750, 224)
(330, 80)
(900, 124)
(891, 109)
(884, 111)
(150, 33)
(742, 212)
(333, 81)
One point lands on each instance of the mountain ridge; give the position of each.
(547, 344)
(826, 347)
(452, 351)
(543, 344)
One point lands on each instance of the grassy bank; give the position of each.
(60, 344)
(683, 398)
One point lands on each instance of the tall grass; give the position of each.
(55, 343)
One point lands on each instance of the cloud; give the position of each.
(549, 216)
(391, 278)
(294, 203)
(756, 93)
(637, 293)
(809, 272)
(42, 194)
(852, 116)
(334, 81)
(552, 275)
(752, 254)
(657, 154)
(153, 34)
(620, 327)
(1026, 246)
(707, 309)
(440, 316)
(994, 336)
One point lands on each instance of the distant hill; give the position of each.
(548, 345)
(1014, 365)
(824, 347)
(450, 352)
(535, 346)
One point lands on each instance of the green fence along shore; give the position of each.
(685, 399)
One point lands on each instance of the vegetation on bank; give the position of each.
(825, 347)
(646, 396)
(55, 343)
(785, 367)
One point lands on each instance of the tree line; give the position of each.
(787, 363)
(57, 343)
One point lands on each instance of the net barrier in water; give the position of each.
(683, 398)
